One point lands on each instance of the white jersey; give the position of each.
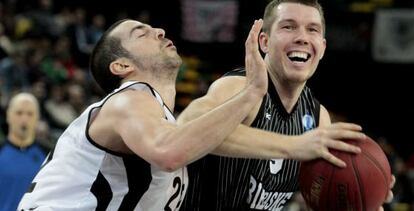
(81, 175)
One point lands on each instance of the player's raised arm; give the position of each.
(169, 146)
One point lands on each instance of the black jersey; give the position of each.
(221, 183)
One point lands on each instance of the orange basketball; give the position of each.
(361, 186)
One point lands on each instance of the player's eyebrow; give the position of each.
(137, 28)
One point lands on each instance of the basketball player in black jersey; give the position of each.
(293, 42)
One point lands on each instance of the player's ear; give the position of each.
(121, 67)
(263, 41)
(323, 49)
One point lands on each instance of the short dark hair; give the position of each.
(270, 14)
(106, 50)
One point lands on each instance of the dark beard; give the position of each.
(164, 68)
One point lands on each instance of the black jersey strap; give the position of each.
(317, 111)
(236, 72)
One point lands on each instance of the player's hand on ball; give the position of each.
(318, 141)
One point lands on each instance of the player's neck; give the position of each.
(167, 92)
(288, 93)
(163, 85)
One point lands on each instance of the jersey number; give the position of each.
(179, 188)
(275, 165)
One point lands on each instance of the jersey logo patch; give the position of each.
(308, 122)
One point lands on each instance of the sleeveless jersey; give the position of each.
(81, 175)
(225, 184)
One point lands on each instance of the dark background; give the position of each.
(349, 82)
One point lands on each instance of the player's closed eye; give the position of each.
(288, 27)
(141, 35)
(313, 29)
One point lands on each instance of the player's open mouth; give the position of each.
(297, 56)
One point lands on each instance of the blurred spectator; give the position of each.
(403, 189)
(76, 98)
(96, 29)
(14, 73)
(403, 192)
(5, 43)
(64, 18)
(39, 90)
(58, 109)
(58, 65)
(20, 155)
(78, 34)
(44, 136)
(43, 20)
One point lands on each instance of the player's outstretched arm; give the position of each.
(256, 143)
(139, 121)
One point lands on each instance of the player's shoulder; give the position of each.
(130, 100)
(308, 95)
(234, 79)
(226, 87)
(5, 143)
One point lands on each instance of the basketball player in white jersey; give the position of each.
(126, 152)
(293, 42)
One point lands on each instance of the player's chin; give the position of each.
(299, 77)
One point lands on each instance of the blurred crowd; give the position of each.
(45, 51)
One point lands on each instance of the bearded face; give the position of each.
(149, 49)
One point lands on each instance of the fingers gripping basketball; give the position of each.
(362, 185)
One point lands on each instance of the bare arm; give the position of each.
(324, 118)
(245, 141)
(250, 142)
(140, 123)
